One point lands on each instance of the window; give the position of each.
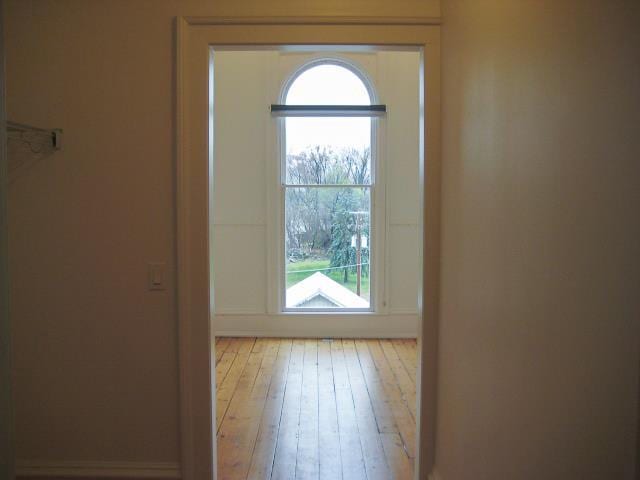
(327, 180)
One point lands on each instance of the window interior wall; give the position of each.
(245, 172)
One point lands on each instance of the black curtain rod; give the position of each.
(327, 110)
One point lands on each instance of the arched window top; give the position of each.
(328, 82)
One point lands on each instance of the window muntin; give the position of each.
(327, 186)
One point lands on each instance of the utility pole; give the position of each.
(358, 254)
(358, 245)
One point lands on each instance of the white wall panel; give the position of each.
(241, 112)
(403, 269)
(399, 84)
(239, 269)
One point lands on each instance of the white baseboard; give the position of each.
(83, 469)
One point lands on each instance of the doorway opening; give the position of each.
(199, 320)
(316, 234)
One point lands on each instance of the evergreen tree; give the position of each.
(342, 228)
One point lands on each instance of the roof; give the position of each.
(319, 284)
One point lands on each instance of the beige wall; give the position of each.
(95, 352)
(539, 352)
(6, 404)
(541, 250)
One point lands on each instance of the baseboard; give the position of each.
(83, 469)
(434, 476)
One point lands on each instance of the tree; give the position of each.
(356, 165)
(306, 221)
(342, 228)
(322, 221)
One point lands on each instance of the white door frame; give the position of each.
(194, 168)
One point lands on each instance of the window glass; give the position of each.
(326, 150)
(327, 84)
(327, 236)
(327, 182)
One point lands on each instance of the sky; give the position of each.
(327, 85)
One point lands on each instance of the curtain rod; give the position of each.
(328, 110)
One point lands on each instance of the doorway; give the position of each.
(315, 211)
(196, 281)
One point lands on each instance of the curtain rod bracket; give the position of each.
(52, 135)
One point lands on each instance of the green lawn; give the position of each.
(294, 275)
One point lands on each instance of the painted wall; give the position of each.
(6, 396)
(541, 258)
(95, 351)
(245, 176)
(539, 361)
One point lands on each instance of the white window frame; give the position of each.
(378, 225)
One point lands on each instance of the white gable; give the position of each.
(319, 285)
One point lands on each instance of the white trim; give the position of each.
(195, 347)
(326, 20)
(402, 311)
(197, 377)
(237, 311)
(57, 468)
(320, 325)
(246, 311)
(182, 234)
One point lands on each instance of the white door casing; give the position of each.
(194, 141)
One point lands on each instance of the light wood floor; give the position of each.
(307, 408)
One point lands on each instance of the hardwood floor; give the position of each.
(310, 408)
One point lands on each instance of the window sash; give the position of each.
(372, 247)
(324, 111)
(283, 137)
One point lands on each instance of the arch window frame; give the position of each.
(377, 223)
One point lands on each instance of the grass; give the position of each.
(294, 275)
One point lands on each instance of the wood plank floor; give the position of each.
(315, 409)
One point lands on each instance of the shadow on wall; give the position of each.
(26, 149)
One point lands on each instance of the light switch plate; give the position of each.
(157, 274)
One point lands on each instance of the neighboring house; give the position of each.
(319, 291)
